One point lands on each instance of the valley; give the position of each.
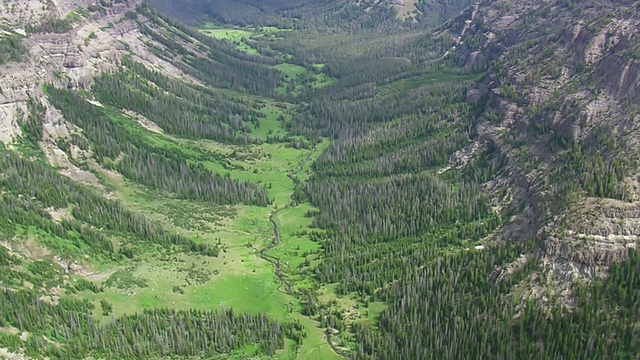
(319, 180)
(253, 272)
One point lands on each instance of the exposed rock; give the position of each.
(560, 88)
(96, 44)
(70, 266)
(59, 214)
(10, 115)
(6, 354)
(59, 159)
(144, 122)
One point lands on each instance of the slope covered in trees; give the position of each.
(160, 332)
(116, 188)
(422, 179)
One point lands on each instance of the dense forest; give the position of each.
(399, 222)
(139, 161)
(23, 179)
(161, 332)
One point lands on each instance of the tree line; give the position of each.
(68, 330)
(31, 187)
(158, 168)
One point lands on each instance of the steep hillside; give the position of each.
(133, 174)
(553, 134)
(240, 12)
(289, 13)
(562, 117)
(490, 169)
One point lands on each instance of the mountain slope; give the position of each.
(533, 167)
(126, 141)
(562, 114)
(554, 146)
(288, 13)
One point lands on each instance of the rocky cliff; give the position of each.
(561, 114)
(67, 44)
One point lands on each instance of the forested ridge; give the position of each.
(23, 179)
(152, 167)
(359, 183)
(451, 310)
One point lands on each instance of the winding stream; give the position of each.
(277, 267)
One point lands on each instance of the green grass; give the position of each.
(290, 70)
(270, 170)
(270, 124)
(315, 346)
(246, 293)
(238, 37)
(298, 76)
(238, 278)
(152, 138)
(231, 35)
(293, 247)
(373, 311)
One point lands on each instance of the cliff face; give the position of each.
(70, 58)
(67, 44)
(562, 115)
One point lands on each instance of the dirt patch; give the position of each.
(32, 250)
(59, 214)
(144, 122)
(405, 8)
(9, 330)
(51, 300)
(100, 277)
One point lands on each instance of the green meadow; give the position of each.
(242, 276)
(296, 76)
(238, 37)
(238, 278)
(299, 77)
(241, 37)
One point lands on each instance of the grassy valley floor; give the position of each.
(240, 277)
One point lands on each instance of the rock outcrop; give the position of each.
(96, 41)
(562, 99)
